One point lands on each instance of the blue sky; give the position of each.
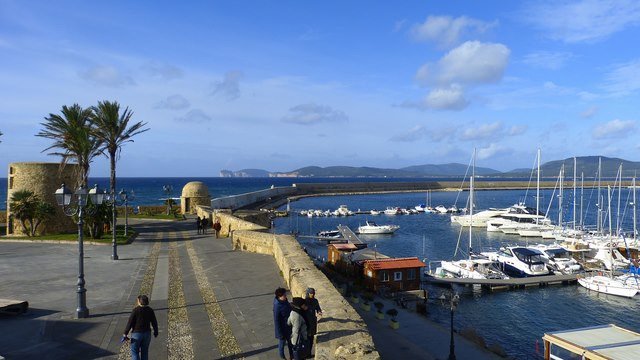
(279, 85)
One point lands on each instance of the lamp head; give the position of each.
(63, 196)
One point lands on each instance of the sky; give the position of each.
(279, 85)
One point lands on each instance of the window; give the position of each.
(384, 275)
(397, 276)
(369, 273)
(411, 274)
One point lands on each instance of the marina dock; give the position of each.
(351, 237)
(506, 284)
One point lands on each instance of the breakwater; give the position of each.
(276, 196)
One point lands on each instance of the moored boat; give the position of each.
(373, 228)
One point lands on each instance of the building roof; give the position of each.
(395, 263)
(598, 342)
(345, 246)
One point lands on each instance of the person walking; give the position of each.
(281, 312)
(217, 227)
(313, 311)
(199, 224)
(204, 223)
(141, 320)
(298, 325)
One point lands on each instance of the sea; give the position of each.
(514, 319)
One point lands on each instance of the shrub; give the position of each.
(393, 313)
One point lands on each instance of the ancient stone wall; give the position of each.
(342, 334)
(43, 179)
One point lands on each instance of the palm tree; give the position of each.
(73, 138)
(113, 130)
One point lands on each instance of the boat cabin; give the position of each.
(399, 274)
(596, 342)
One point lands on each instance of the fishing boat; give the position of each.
(373, 228)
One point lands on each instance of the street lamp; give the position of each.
(125, 197)
(112, 199)
(454, 300)
(64, 198)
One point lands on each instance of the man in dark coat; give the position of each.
(281, 312)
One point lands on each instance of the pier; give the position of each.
(506, 284)
(351, 237)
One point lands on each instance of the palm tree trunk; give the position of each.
(112, 182)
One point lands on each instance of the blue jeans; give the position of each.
(281, 343)
(140, 345)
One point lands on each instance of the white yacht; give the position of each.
(473, 268)
(373, 228)
(478, 219)
(393, 210)
(518, 261)
(558, 259)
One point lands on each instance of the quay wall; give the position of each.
(256, 197)
(342, 334)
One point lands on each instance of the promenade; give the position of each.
(211, 302)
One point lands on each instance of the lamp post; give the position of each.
(454, 300)
(64, 198)
(112, 199)
(125, 197)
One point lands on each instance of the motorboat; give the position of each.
(441, 209)
(374, 212)
(373, 228)
(517, 217)
(393, 210)
(519, 261)
(558, 259)
(330, 233)
(478, 219)
(343, 210)
(473, 268)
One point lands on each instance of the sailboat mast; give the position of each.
(599, 204)
(574, 193)
(538, 190)
(619, 196)
(473, 174)
(635, 230)
(560, 195)
(581, 199)
(610, 239)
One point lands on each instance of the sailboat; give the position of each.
(609, 284)
(474, 266)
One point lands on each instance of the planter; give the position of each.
(355, 299)
(365, 306)
(379, 315)
(395, 325)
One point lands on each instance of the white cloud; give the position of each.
(195, 116)
(416, 133)
(592, 110)
(229, 87)
(488, 131)
(451, 98)
(470, 63)
(583, 21)
(624, 79)
(547, 60)
(173, 102)
(517, 130)
(164, 71)
(307, 114)
(106, 75)
(614, 129)
(492, 150)
(447, 31)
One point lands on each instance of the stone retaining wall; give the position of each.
(342, 334)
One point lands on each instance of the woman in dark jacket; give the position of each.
(281, 312)
(140, 321)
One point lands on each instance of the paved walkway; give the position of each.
(211, 302)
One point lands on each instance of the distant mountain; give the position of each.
(451, 169)
(587, 165)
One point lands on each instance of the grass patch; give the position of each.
(106, 238)
(156, 216)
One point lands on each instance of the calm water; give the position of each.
(514, 319)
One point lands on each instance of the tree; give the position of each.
(113, 130)
(30, 210)
(73, 138)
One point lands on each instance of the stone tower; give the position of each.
(43, 179)
(194, 193)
